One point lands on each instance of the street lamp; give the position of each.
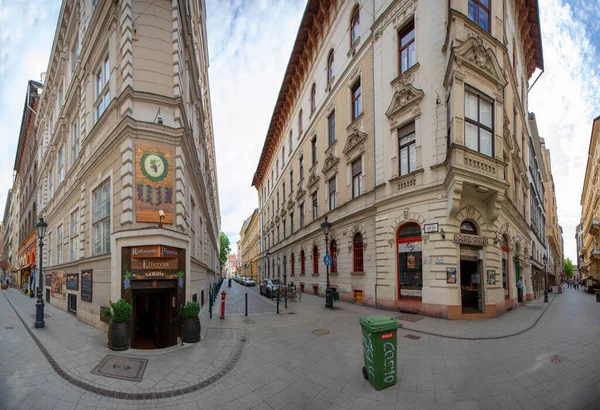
(326, 227)
(39, 306)
(545, 259)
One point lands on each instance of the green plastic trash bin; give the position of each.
(379, 350)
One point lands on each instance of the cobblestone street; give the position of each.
(235, 301)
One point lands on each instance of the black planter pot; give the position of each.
(598, 297)
(190, 332)
(118, 336)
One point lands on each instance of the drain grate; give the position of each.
(409, 318)
(248, 321)
(413, 337)
(320, 332)
(217, 333)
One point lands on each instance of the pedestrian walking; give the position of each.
(520, 288)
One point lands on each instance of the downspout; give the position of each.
(374, 151)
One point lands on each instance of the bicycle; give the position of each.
(292, 294)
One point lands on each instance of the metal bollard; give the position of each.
(285, 298)
(246, 304)
(277, 302)
(223, 294)
(210, 307)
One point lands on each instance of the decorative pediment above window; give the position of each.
(300, 193)
(354, 142)
(330, 162)
(475, 55)
(290, 203)
(283, 211)
(406, 96)
(272, 224)
(506, 133)
(277, 218)
(312, 180)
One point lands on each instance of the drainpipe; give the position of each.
(374, 152)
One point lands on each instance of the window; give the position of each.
(193, 229)
(59, 244)
(407, 147)
(283, 189)
(291, 222)
(61, 164)
(290, 142)
(73, 236)
(315, 256)
(277, 169)
(410, 275)
(292, 273)
(75, 53)
(101, 219)
(102, 88)
(284, 230)
(301, 210)
(355, 26)
(331, 128)
(313, 96)
(302, 263)
(74, 141)
(330, 68)
(357, 178)
(72, 303)
(479, 13)
(315, 206)
(479, 129)
(51, 183)
(282, 157)
(468, 228)
(291, 181)
(356, 101)
(50, 249)
(407, 47)
(301, 160)
(357, 246)
(313, 150)
(505, 284)
(300, 124)
(333, 254)
(277, 200)
(332, 194)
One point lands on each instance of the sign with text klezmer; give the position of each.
(470, 239)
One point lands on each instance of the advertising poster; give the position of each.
(450, 275)
(154, 168)
(491, 277)
(59, 285)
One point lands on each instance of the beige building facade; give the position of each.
(589, 252)
(248, 247)
(405, 124)
(127, 177)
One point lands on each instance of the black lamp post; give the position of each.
(326, 227)
(39, 306)
(545, 259)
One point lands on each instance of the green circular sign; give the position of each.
(154, 166)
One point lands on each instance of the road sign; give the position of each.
(327, 260)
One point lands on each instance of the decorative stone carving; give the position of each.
(300, 193)
(406, 213)
(330, 162)
(406, 95)
(312, 180)
(506, 133)
(353, 141)
(474, 54)
(290, 203)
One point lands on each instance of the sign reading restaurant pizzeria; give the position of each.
(154, 261)
(475, 240)
(153, 183)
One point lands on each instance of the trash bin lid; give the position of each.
(378, 323)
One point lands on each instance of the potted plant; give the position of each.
(118, 325)
(190, 322)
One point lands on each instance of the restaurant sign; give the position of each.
(475, 240)
(153, 251)
(154, 262)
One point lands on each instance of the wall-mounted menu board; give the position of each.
(86, 285)
(48, 281)
(73, 281)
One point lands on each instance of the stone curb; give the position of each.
(128, 395)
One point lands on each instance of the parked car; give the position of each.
(268, 287)
(249, 282)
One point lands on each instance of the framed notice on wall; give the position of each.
(491, 277)
(59, 285)
(86, 285)
(48, 280)
(154, 168)
(73, 281)
(450, 275)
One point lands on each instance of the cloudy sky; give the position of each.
(249, 45)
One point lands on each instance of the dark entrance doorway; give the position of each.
(470, 285)
(154, 318)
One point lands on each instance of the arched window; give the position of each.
(410, 274)
(302, 265)
(292, 273)
(354, 26)
(330, 68)
(333, 254)
(300, 123)
(313, 96)
(357, 256)
(468, 228)
(315, 260)
(505, 267)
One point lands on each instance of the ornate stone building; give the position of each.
(405, 123)
(127, 177)
(248, 247)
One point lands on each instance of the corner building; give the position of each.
(127, 177)
(405, 123)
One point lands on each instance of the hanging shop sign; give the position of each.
(73, 281)
(59, 285)
(86, 285)
(154, 183)
(470, 239)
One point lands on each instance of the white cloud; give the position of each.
(565, 100)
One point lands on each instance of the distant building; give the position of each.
(248, 247)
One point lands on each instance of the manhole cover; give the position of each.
(124, 368)
(216, 333)
(248, 321)
(413, 337)
(409, 318)
(8, 327)
(320, 332)
(535, 307)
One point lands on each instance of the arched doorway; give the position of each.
(410, 272)
(470, 273)
(505, 268)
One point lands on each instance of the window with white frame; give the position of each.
(101, 222)
(74, 141)
(74, 235)
(61, 164)
(61, 94)
(75, 53)
(330, 128)
(357, 178)
(51, 183)
(59, 244)
(49, 246)
(407, 147)
(102, 88)
(315, 205)
(301, 210)
(193, 228)
(479, 125)
(332, 194)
